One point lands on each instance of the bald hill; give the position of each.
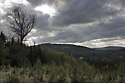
(88, 53)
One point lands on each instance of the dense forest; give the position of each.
(39, 64)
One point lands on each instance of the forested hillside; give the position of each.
(36, 64)
(80, 51)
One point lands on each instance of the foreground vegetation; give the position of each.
(60, 74)
(24, 64)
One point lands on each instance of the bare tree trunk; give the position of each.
(21, 42)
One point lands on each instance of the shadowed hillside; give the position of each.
(80, 51)
(110, 48)
(67, 48)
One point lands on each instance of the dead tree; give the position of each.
(21, 22)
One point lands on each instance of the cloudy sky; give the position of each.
(91, 23)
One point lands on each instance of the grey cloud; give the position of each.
(42, 21)
(80, 33)
(84, 11)
(40, 2)
(116, 27)
(35, 2)
(56, 3)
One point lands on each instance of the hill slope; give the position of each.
(110, 48)
(80, 51)
(67, 48)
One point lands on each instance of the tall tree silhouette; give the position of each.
(21, 22)
(2, 36)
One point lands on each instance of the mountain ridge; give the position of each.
(81, 51)
(110, 48)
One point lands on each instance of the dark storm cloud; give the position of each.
(79, 33)
(115, 27)
(84, 11)
(81, 11)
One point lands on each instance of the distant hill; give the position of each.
(110, 48)
(81, 51)
(67, 48)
